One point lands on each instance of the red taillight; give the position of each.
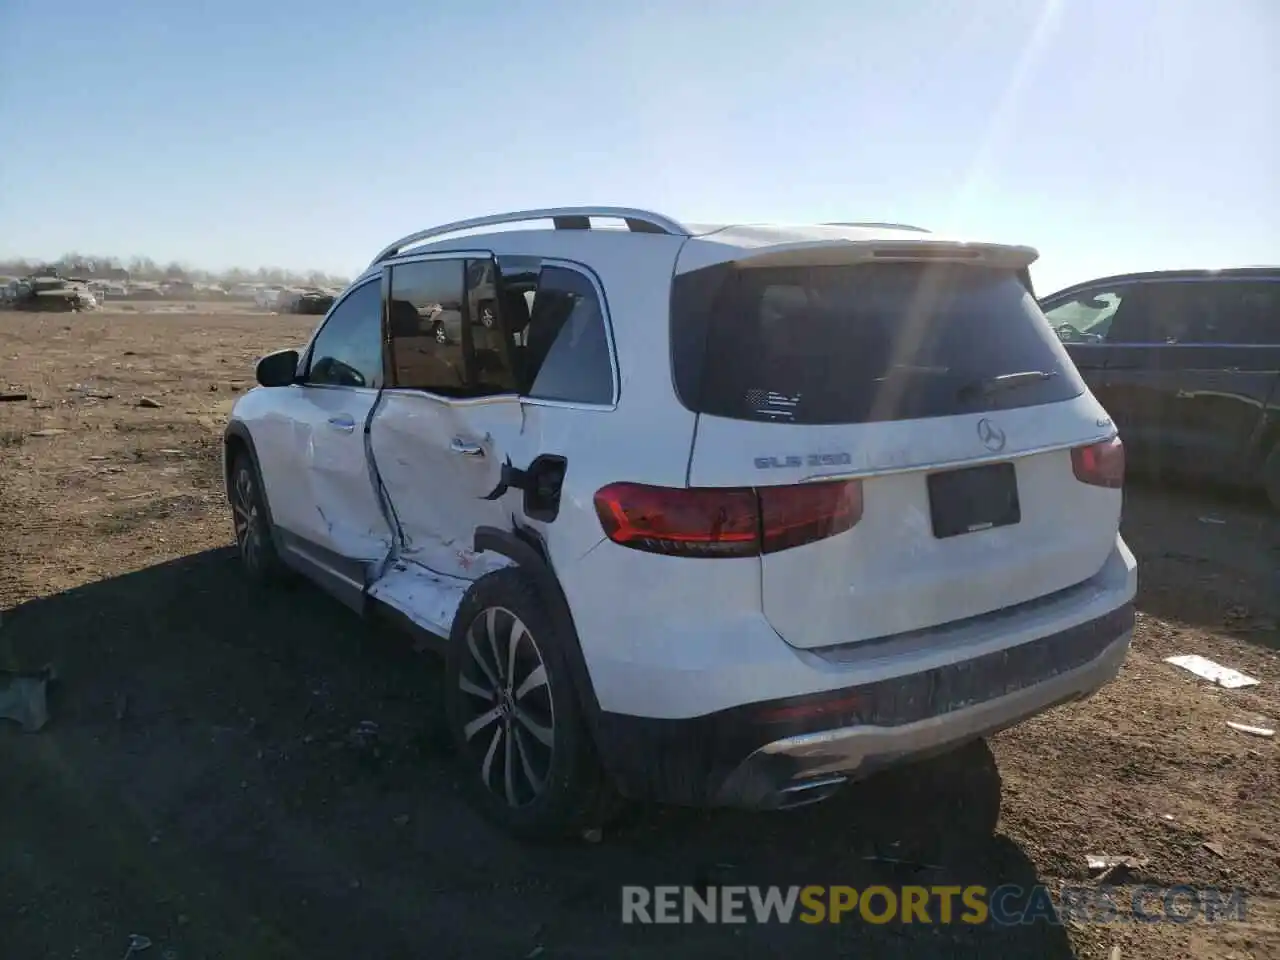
(794, 515)
(697, 523)
(1100, 464)
(726, 521)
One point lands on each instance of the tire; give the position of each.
(1271, 478)
(517, 727)
(257, 548)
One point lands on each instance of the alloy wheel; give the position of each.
(244, 506)
(508, 718)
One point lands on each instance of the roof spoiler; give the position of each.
(821, 253)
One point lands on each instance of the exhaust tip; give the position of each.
(805, 792)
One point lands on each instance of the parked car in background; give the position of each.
(314, 302)
(50, 294)
(1187, 362)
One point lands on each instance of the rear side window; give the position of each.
(444, 331)
(1248, 312)
(863, 343)
(1164, 313)
(425, 316)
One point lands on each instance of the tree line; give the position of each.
(145, 269)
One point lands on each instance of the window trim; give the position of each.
(304, 362)
(581, 268)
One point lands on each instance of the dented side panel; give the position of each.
(439, 461)
(345, 515)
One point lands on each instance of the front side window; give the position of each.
(1087, 317)
(347, 351)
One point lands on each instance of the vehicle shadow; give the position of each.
(235, 772)
(1207, 557)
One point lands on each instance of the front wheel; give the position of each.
(514, 716)
(253, 530)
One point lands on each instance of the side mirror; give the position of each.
(279, 369)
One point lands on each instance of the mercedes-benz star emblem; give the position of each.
(992, 437)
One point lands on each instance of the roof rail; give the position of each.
(875, 223)
(564, 218)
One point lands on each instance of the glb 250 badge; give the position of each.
(793, 461)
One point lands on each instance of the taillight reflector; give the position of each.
(1100, 464)
(726, 521)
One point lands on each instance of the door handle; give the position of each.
(466, 447)
(345, 424)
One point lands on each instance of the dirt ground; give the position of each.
(236, 774)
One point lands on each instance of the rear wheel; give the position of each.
(253, 530)
(514, 718)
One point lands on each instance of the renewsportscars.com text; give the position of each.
(1003, 906)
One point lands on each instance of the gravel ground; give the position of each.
(238, 774)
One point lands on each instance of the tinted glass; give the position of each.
(348, 350)
(567, 349)
(490, 354)
(1161, 313)
(1247, 312)
(875, 342)
(424, 325)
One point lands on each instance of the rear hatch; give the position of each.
(921, 445)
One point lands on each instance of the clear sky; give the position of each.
(1112, 134)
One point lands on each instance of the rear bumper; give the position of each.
(808, 767)
(782, 752)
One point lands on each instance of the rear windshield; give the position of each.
(864, 343)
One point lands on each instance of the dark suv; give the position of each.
(1188, 364)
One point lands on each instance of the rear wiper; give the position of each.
(1006, 381)
(911, 369)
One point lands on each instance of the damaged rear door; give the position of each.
(450, 416)
(475, 425)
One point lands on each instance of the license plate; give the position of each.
(973, 499)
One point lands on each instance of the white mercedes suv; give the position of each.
(724, 515)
